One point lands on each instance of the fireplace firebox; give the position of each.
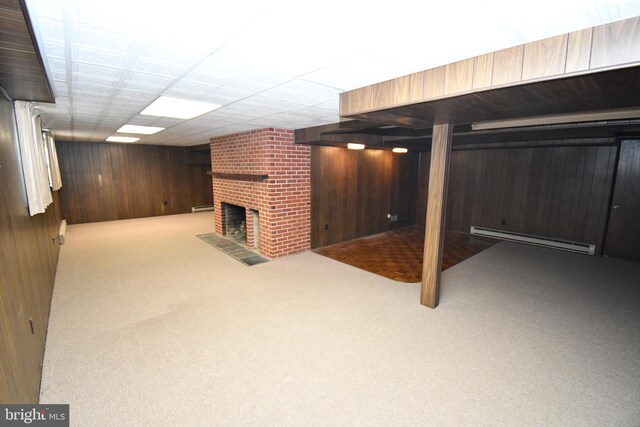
(235, 223)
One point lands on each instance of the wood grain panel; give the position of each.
(614, 46)
(415, 94)
(616, 43)
(28, 259)
(459, 76)
(401, 89)
(483, 71)
(623, 232)
(557, 192)
(436, 209)
(104, 182)
(422, 187)
(507, 65)
(433, 86)
(579, 50)
(22, 72)
(544, 58)
(353, 191)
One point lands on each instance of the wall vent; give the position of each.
(565, 245)
(202, 208)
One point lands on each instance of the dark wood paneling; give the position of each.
(623, 232)
(103, 182)
(22, 71)
(28, 259)
(353, 191)
(558, 192)
(422, 188)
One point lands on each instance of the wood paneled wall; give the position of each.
(103, 182)
(558, 192)
(28, 260)
(353, 191)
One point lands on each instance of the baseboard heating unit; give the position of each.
(202, 208)
(565, 245)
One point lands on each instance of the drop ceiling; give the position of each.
(270, 64)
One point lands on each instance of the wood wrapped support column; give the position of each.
(436, 209)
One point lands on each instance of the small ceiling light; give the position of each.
(354, 146)
(166, 106)
(144, 130)
(122, 139)
(399, 150)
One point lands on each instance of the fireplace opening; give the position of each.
(235, 223)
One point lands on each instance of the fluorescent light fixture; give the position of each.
(122, 139)
(399, 150)
(178, 108)
(354, 146)
(144, 130)
(616, 114)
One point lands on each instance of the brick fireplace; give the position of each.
(265, 173)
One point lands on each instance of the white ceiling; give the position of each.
(269, 63)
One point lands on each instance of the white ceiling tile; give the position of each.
(225, 95)
(173, 55)
(60, 86)
(53, 50)
(246, 85)
(217, 72)
(56, 64)
(149, 88)
(51, 29)
(49, 9)
(355, 72)
(265, 77)
(100, 57)
(159, 68)
(333, 104)
(184, 89)
(96, 80)
(97, 70)
(96, 39)
(58, 75)
(121, 62)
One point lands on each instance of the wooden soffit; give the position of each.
(593, 69)
(22, 70)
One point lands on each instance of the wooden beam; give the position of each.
(605, 47)
(436, 209)
(239, 176)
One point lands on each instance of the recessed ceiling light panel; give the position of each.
(178, 108)
(354, 146)
(144, 130)
(122, 139)
(399, 150)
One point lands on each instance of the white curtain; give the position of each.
(34, 161)
(54, 166)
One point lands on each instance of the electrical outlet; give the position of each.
(326, 227)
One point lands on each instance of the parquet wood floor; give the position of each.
(397, 254)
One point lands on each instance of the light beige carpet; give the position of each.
(149, 326)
